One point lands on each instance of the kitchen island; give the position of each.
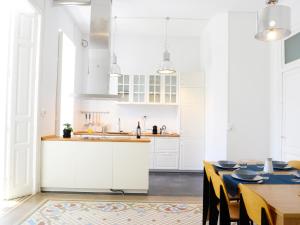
(103, 164)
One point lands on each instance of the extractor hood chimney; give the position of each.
(99, 82)
(72, 2)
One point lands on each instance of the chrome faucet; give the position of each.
(163, 129)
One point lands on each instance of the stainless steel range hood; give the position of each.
(99, 82)
(72, 2)
(100, 36)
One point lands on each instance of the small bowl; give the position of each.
(245, 174)
(279, 164)
(227, 164)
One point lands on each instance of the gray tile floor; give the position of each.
(175, 184)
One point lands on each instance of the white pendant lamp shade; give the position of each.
(274, 22)
(166, 66)
(115, 69)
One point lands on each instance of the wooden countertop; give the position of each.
(148, 134)
(97, 139)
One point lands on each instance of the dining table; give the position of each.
(280, 189)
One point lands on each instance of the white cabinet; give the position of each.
(149, 89)
(94, 166)
(171, 89)
(168, 160)
(76, 165)
(154, 95)
(124, 87)
(192, 123)
(139, 89)
(166, 153)
(133, 173)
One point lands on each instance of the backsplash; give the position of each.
(111, 111)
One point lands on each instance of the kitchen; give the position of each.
(123, 101)
(111, 106)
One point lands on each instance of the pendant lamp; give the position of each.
(166, 66)
(274, 22)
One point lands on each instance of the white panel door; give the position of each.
(21, 110)
(291, 115)
(192, 127)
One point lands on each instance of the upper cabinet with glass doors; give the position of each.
(154, 89)
(139, 92)
(171, 89)
(124, 87)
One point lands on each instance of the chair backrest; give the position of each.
(255, 206)
(209, 169)
(218, 184)
(295, 164)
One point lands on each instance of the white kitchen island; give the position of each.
(95, 164)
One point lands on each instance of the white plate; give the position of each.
(284, 168)
(255, 179)
(228, 168)
(297, 175)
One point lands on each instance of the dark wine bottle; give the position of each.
(138, 131)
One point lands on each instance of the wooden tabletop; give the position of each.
(284, 201)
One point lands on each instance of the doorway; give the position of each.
(19, 98)
(65, 82)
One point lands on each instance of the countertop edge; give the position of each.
(125, 134)
(80, 139)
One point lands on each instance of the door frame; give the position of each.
(36, 68)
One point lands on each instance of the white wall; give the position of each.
(141, 54)
(249, 90)
(129, 115)
(215, 57)
(237, 88)
(55, 19)
(276, 86)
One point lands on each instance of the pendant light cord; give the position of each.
(166, 33)
(114, 34)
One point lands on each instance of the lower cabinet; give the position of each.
(165, 155)
(133, 173)
(94, 166)
(166, 161)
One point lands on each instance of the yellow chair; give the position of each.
(209, 170)
(253, 207)
(295, 164)
(220, 203)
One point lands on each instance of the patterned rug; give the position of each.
(115, 213)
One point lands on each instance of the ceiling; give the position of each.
(146, 17)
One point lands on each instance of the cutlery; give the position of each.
(86, 119)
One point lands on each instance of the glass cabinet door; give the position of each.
(154, 89)
(171, 89)
(123, 88)
(138, 88)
